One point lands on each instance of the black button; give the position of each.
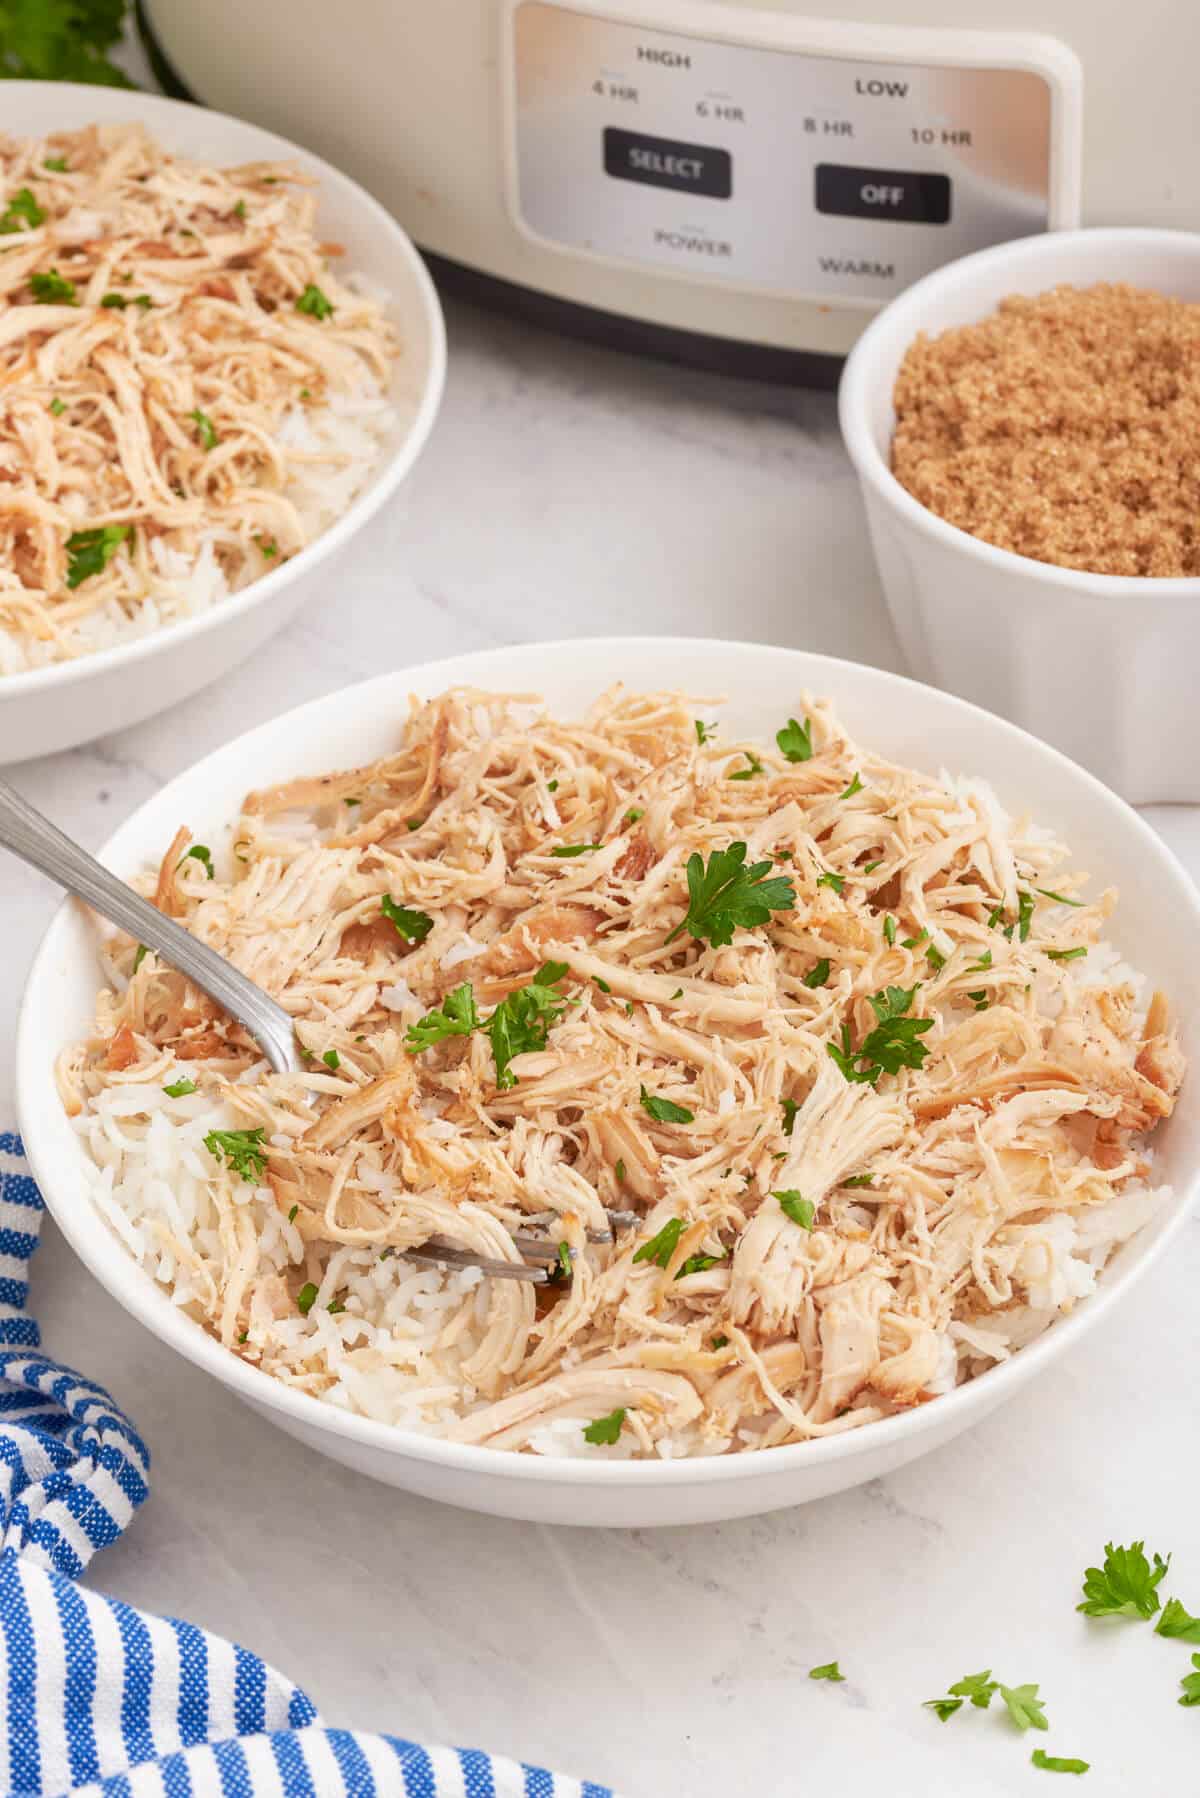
(915, 199)
(661, 162)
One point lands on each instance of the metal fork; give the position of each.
(33, 838)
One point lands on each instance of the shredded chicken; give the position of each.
(168, 331)
(812, 1251)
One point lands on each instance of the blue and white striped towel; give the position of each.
(97, 1698)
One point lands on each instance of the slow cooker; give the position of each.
(740, 184)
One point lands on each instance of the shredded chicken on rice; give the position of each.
(874, 1141)
(188, 392)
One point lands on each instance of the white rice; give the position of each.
(343, 441)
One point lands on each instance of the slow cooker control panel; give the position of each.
(767, 165)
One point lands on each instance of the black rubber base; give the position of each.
(690, 349)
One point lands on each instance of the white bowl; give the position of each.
(55, 708)
(1099, 665)
(1158, 926)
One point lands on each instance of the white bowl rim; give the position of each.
(390, 473)
(859, 376)
(83, 1226)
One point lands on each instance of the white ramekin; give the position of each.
(1102, 666)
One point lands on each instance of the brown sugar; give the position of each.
(1065, 427)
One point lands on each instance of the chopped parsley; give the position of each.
(935, 958)
(818, 974)
(602, 984)
(795, 740)
(830, 1670)
(335, 1305)
(634, 814)
(239, 210)
(662, 1246)
(1024, 1707)
(985, 961)
(245, 1336)
(1126, 1585)
(179, 1089)
(1058, 1763)
(117, 302)
(56, 164)
(836, 881)
(90, 552)
(242, 1151)
(21, 209)
(53, 289)
(870, 867)
(859, 1180)
(1067, 954)
(206, 430)
(306, 1298)
(754, 768)
(564, 1261)
(139, 958)
(619, 1171)
(332, 1059)
(1177, 1622)
(979, 998)
(700, 1264)
(268, 547)
(1191, 1684)
(456, 1016)
(292, 1214)
(855, 786)
(704, 731)
(790, 1108)
(664, 1111)
(314, 304)
(889, 930)
(605, 1430)
(678, 993)
(523, 1020)
(57, 406)
(565, 850)
(719, 1342)
(891, 1045)
(199, 852)
(801, 1211)
(726, 895)
(1059, 898)
(914, 942)
(1024, 916)
(413, 926)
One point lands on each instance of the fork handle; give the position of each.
(29, 835)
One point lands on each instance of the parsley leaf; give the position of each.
(1177, 1621)
(935, 958)
(523, 1020)
(855, 786)
(90, 552)
(565, 1269)
(1067, 954)
(332, 1059)
(605, 1429)
(699, 1264)
(889, 930)
(801, 1211)
(413, 926)
(704, 731)
(199, 852)
(818, 975)
(240, 1150)
(662, 1246)
(22, 207)
(978, 1687)
(1057, 1763)
(790, 1108)
(634, 813)
(664, 1111)
(53, 289)
(1024, 915)
(1125, 1586)
(179, 1088)
(943, 1708)
(830, 1670)
(978, 967)
(867, 1180)
(61, 40)
(619, 1170)
(314, 303)
(1024, 1707)
(56, 164)
(306, 1298)
(891, 1045)
(206, 430)
(1059, 898)
(565, 850)
(1191, 1684)
(795, 740)
(836, 881)
(57, 406)
(139, 958)
(755, 767)
(726, 895)
(456, 1016)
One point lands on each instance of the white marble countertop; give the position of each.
(570, 492)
